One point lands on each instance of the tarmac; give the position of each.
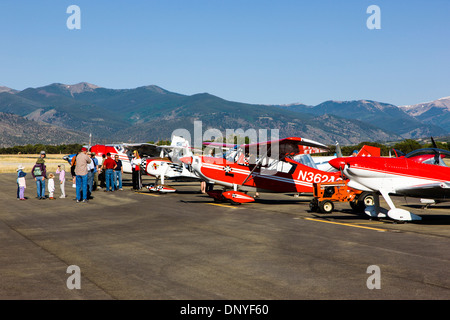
(131, 245)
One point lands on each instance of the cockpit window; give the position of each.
(306, 160)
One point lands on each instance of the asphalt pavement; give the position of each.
(128, 245)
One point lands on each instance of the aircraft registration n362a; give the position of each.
(267, 167)
(420, 174)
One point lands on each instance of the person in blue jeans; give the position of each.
(109, 165)
(39, 173)
(81, 170)
(118, 170)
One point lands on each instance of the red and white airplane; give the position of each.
(421, 174)
(266, 167)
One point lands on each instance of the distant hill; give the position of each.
(16, 130)
(152, 113)
(435, 112)
(382, 115)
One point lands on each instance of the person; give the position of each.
(354, 153)
(118, 171)
(42, 155)
(94, 159)
(51, 186)
(101, 173)
(90, 177)
(21, 183)
(39, 174)
(136, 170)
(108, 167)
(81, 172)
(62, 179)
(73, 164)
(203, 186)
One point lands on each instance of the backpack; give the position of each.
(37, 171)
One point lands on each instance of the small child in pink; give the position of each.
(62, 179)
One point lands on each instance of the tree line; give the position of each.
(37, 148)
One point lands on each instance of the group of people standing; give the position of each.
(85, 171)
(39, 173)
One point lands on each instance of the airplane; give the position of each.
(124, 151)
(158, 161)
(274, 171)
(170, 165)
(421, 174)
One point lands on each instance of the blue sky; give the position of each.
(269, 52)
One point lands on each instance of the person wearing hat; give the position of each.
(41, 158)
(21, 184)
(39, 174)
(81, 171)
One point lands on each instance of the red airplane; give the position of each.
(421, 173)
(266, 166)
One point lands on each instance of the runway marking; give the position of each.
(149, 194)
(222, 205)
(347, 224)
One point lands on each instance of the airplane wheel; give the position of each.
(363, 200)
(369, 200)
(313, 205)
(326, 206)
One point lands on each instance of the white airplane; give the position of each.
(168, 164)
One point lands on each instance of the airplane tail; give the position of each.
(181, 148)
(369, 151)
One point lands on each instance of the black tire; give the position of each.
(314, 205)
(363, 200)
(326, 206)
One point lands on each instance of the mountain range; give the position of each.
(151, 113)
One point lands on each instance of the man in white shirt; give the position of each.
(90, 178)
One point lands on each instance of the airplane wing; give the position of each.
(437, 191)
(224, 146)
(144, 149)
(286, 147)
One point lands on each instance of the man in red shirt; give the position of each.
(108, 166)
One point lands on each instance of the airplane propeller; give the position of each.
(338, 150)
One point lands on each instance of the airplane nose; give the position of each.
(337, 163)
(186, 160)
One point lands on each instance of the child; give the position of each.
(51, 186)
(62, 179)
(21, 182)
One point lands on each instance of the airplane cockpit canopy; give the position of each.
(306, 160)
(430, 156)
